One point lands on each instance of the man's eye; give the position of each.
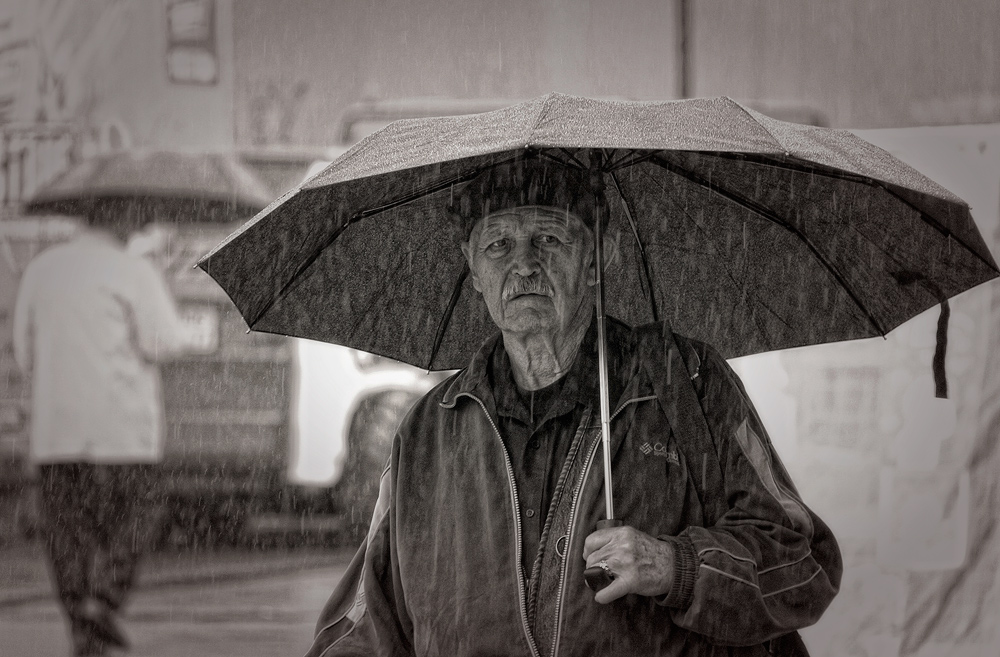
(499, 246)
(547, 239)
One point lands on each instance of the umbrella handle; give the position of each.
(596, 577)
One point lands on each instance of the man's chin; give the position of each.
(527, 319)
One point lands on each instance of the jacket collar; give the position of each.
(473, 380)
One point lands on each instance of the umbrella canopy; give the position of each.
(746, 232)
(174, 186)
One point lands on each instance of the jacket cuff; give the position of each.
(681, 593)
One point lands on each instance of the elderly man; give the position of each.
(486, 513)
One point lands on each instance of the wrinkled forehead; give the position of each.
(530, 218)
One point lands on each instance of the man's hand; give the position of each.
(640, 563)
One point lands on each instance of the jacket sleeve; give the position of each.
(365, 615)
(157, 325)
(23, 323)
(768, 565)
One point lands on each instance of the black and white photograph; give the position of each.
(475, 328)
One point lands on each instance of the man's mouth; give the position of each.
(527, 288)
(527, 295)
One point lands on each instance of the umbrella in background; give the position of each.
(746, 232)
(167, 186)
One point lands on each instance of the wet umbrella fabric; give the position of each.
(173, 186)
(746, 232)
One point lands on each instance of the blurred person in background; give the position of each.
(91, 323)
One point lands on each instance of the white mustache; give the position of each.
(531, 285)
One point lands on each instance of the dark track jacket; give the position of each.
(440, 573)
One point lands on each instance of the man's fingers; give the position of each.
(612, 591)
(602, 555)
(596, 541)
(640, 563)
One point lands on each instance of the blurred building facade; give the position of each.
(219, 74)
(850, 63)
(906, 480)
(285, 83)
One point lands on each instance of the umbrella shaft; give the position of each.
(602, 358)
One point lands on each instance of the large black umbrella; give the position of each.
(746, 232)
(749, 233)
(163, 185)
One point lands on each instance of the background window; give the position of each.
(841, 408)
(191, 49)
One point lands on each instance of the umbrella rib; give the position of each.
(651, 295)
(744, 293)
(364, 214)
(801, 167)
(763, 304)
(625, 162)
(572, 158)
(767, 214)
(934, 223)
(465, 176)
(449, 311)
(614, 164)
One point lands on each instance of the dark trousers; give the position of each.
(98, 520)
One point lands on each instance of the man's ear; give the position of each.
(467, 252)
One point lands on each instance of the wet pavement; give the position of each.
(263, 615)
(24, 574)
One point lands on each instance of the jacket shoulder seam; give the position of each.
(732, 577)
(786, 565)
(345, 635)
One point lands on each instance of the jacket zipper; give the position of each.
(522, 584)
(572, 525)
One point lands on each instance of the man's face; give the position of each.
(533, 266)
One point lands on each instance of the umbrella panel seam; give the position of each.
(650, 288)
(801, 167)
(745, 294)
(542, 113)
(756, 122)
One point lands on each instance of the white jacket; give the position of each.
(90, 324)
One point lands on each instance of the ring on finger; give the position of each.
(603, 565)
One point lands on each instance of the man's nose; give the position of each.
(525, 259)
